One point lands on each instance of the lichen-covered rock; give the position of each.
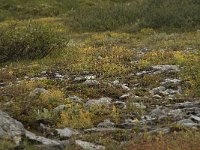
(89, 146)
(37, 91)
(106, 124)
(66, 132)
(102, 101)
(10, 128)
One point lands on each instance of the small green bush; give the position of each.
(170, 13)
(104, 16)
(29, 41)
(117, 14)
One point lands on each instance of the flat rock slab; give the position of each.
(89, 146)
(10, 128)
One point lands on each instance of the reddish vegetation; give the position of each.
(182, 141)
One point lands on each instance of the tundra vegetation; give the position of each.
(119, 74)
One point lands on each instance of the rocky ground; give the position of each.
(105, 91)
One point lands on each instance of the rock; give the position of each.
(89, 146)
(2, 84)
(171, 81)
(43, 72)
(165, 68)
(116, 82)
(187, 105)
(195, 119)
(159, 113)
(157, 96)
(79, 79)
(122, 85)
(90, 77)
(75, 99)
(188, 123)
(45, 141)
(44, 129)
(125, 87)
(60, 108)
(159, 69)
(125, 96)
(142, 73)
(66, 132)
(84, 78)
(120, 104)
(58, 76)
(91, 82)
(102, 101)
(164, 130)
(176, 114)
(161, 90)
(157, 90)
(139, 105)
(10, 128)
(37, 91)
(106, 124)
(129, 123)
(100, 130)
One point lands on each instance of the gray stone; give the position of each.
(75, 99)
(60, 108)
(102, 101)
(79, 79)
(171, 81)
(125, 87)
(188, 123)
(165, 68)
(43, 72)
(159, 113)
(66, 132)
(142, 73)
(164, 130)
(176, 114)
(90, 77)
(59, 76)
(157, 90)
(10, 128)
(2, 84)
(89, 146)
(116, 82)
(42, 140)
(125, 96)
(160, 69)
(161, 90)
(106, 124)
(120, 104)
(91, 82)
(187, 105)
(100, 130)
(196, 119)
(37, 91)
(157, 96)
(139, 105)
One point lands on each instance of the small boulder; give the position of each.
(91, 82)
(66, 132)
(37, 91)
(10, 128)
(89, 146)
(102, 101)
(106, 124)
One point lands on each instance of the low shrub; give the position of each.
(29, 41)
(103, 17)
(173, 13)
(138, 14)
